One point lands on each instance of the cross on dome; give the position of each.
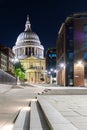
(28, 24)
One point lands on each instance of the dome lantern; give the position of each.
(27, 25)
(28, 37)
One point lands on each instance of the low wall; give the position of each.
(6, 78)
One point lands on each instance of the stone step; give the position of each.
(22, 121)
(54, 118)
(66, 91)
(37, 121)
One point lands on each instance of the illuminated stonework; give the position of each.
(28, 43)
(30, 52)
(35, 69)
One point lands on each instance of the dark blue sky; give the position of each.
(46, 18)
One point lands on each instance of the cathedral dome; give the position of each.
(28, 44)
(27, 37)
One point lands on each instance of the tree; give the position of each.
(19, 71)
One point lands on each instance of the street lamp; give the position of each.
(79, 62)
(62, 65)
(16, 60)
(51, 69)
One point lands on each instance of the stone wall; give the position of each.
(6, 78)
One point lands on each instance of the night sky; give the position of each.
(46, 18)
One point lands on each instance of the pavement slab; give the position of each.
(72, 107)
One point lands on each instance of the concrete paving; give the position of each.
(72, 107)
(54, 118)
(12, 99)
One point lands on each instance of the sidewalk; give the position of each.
(12, 100)
(4, 88)
(72, 107)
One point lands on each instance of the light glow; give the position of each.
(55, 71)
(49, 72)
(51, 69)
(15, 60)
(26, 108)
(8, 127)
(34, 100)
(62, 65)
(79, 62)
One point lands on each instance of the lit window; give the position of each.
(71, 55)
(85, 56)
(49, 55)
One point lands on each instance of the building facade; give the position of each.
(35, 68)
(51, 65)
(72, 51)
(6, 66)
(30, 52)
(6, 56)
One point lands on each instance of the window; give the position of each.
(85, 28)
(71, 55)
(70, 27)
(52, 55)
(85, 56)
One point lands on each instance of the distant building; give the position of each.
(6, 56)
(6, 66)
(51, 63)
(51, 59)
(72, 51)
(30, 52)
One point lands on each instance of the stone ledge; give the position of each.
(35, 123)
(22, 121)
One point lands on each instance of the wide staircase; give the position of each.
(41, 115)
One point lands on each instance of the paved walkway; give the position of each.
(72, 107)
(12, 99)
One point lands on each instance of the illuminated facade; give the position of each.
(6, 56)
(51, 64)
(51, 59)
(35, 69)
(30, 52)
(72, 51)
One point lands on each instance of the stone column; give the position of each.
(24, 51)
(34, 51)
(17, 52)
